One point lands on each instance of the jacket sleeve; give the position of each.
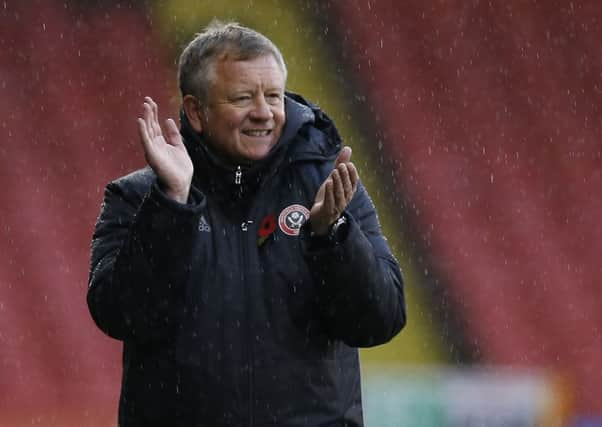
(360, 287)
(139, 265)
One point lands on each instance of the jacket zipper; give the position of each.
(238, 176)
(243, 253)
(250, 357)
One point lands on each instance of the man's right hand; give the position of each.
(167, 156)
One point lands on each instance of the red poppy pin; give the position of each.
(266, 229)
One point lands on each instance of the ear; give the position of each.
(192, 109)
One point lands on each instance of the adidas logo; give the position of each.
(203, 225)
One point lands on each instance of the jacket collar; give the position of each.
(235, 182)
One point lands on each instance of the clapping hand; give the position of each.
(166, 155)
(334, 194)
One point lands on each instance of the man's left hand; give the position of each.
(334, 194)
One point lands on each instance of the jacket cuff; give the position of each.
(328, 247)
(332, 238)
(194, 202)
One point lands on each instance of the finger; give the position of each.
(172, 132)
(338, 191)
(154, 108)
(150, 102)
(142, 130)
(346, 181)
(155, 116)
(329, 202)
(144, 137)
(354, 176)
(321, 212)
(148, 114)
(344, 156)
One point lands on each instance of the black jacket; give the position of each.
(219, 330)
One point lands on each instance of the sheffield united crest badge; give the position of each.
(292, 218)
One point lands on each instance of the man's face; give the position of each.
(244, 114)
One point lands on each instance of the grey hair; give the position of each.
(195, 67)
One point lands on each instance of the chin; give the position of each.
(258, 154)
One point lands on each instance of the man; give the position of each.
(244, 266)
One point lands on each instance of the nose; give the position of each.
(261, 109)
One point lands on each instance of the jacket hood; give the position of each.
(308, 134)
(321, 140)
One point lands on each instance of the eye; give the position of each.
(273, 97)
(241, 100)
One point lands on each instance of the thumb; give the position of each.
(172, 132)
(344, 156)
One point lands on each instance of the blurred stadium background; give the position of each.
(476, 128)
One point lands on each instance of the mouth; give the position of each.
(255, 133)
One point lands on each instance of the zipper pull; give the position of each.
(238, 176)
